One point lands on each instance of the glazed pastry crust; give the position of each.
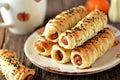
(43, 46)
(63, 21)
(60, 55)
(93, 49)
(85, 29)
(12, 68)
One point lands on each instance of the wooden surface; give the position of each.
(16, 43)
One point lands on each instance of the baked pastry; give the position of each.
(59, 54)
(12, 68)
(43, 46)
(63, 21)
(85, 29)
(84, 56)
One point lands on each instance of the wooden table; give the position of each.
(16, 43)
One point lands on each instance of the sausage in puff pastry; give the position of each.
(59, 54)
(43, 46)
(85, 55)
(63, 21)
(12, 68)
(85, 29)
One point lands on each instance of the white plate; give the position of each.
(109, 60)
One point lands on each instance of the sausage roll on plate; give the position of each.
(85, 29)
(43, 46)
(59, 54)
(12, 68)
(84, 56)
(63, 21)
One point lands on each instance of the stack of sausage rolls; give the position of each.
(63, 21)
(76, 36)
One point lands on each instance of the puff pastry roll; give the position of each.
(12, 68)
(84, 56)
(63, 21)
(59, 54)
(85, 29)
(43, 46)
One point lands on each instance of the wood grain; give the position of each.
(2, 34)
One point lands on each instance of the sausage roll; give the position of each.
(59, 54)
(63, 21)
(85, 29)
(43, 46)
(12, 68)
(85, 55)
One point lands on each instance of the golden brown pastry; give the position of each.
(63, 21)
(85, 29)
(43, 46)
(84, 56)
(12, 68)
(59, 54)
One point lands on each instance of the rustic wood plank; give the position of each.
(2, 34)
(111, 74)
(53, 8)
(67, 4)
(52, 76)
(1, 20)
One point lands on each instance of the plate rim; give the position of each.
(65, 72)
